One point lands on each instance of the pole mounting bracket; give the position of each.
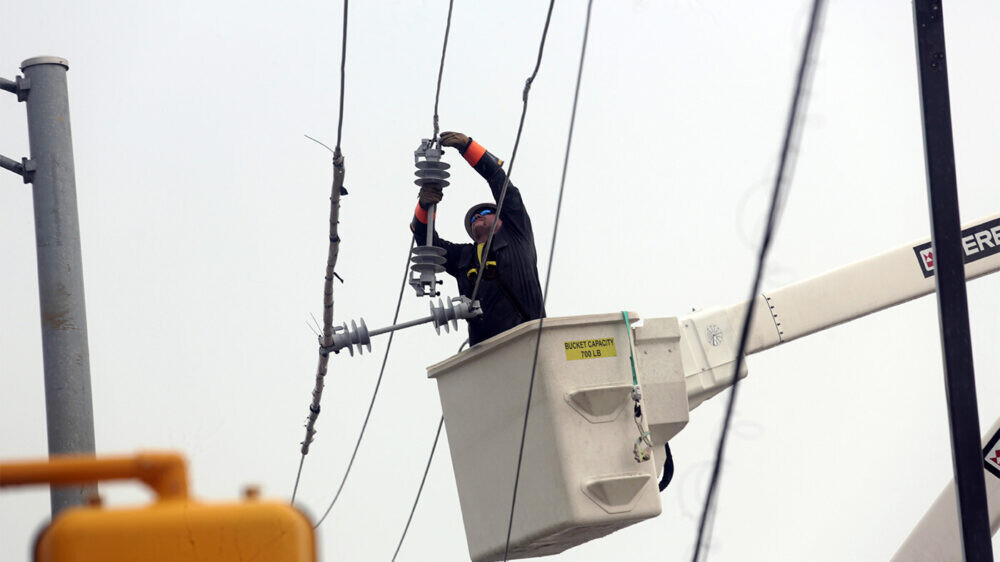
(28, 168)
(23, 85)
(25, 168)
(19, 87)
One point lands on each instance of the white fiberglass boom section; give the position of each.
(936, 537)
(827, 300)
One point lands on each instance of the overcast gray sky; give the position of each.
(203, 214)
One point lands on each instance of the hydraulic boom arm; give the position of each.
(827, 300)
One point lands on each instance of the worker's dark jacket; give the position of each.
(512, 294)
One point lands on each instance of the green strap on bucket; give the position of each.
(631, 358)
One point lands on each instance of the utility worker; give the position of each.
(509, 292)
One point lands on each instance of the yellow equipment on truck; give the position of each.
(175, 527)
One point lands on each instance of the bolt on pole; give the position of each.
(69, 407)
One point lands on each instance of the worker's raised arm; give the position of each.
(490, 167)
(419, 227)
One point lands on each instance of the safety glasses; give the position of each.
(482, 213)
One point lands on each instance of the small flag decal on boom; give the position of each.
(991, 455)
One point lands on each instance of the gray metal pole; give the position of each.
(69, 408)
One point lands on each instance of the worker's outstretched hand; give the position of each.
(455, 140)
(430, 195)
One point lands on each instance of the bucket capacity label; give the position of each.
(590, 349)
(978, 242)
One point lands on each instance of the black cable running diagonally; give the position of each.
(548, 275)
(378, 383)
(424, 479)
(792, 128)
(513, 154)
(444, 49)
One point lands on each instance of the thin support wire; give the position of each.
(444, 49)
(378, 383)
(548, 276)
(321, 143)
(513, 154)
(792, 130)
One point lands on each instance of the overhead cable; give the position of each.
(424, 479)
(513, 154)
(444, 49)
(343, 61)
(298, 475)
(437, 96)
(302, 458)
(399, 301)
(792, 130)
(548, 272)
(428, 259)
(420, 489)
(378, 384)
(331, 262)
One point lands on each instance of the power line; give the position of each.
(791, 130)
(548, 273)
(513, 154)
(326, 339)
(378, 383)
(444, 49)
(437, 97)
(298, 475)
(343, 60)
(331, 262)
(503, 191)
(302, 459)
(402, 286)
(424, 479)
(420, 489)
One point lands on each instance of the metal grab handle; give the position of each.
(164, 473)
